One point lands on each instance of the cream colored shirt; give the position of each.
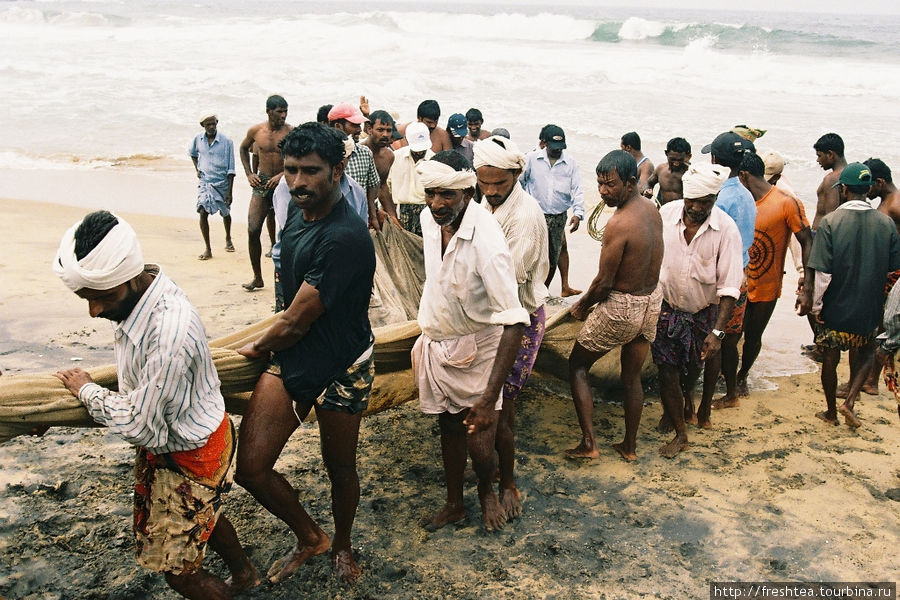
(525, 228)
(695, 275)
(403, 181)
(473, 286)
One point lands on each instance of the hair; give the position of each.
(878, 169)
(502, 132)
(753, 164)
(322, 114)
(429, 109)
(311, 137)
(473, 114)
(632, 139)
(381, 115)
(621, 162)
(830, 142)
(678, 144)
(275, 101)
(92, 230)
(453, 159)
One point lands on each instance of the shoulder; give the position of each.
(364, 151)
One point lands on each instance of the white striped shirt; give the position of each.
(169, 398)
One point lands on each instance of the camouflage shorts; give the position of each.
(408, 215)
(841, 340)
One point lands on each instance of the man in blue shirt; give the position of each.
(213, 156)
(551, 177)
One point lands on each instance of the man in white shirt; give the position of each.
(472, 325)
(168, 405)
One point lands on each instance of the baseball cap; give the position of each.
(418, 137)
(855, 173)
(456, 125)
(774, 163)
(347, 111)
(555, 137)
(728, 145)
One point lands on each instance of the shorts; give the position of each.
(556, 231)
(736, 323)
(177, 499)
(680, 336)
(619, 319)
(408, 215)
(841, 340)
(279, 292)
(260, 190)
(528, 351)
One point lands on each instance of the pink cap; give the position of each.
(347, 111)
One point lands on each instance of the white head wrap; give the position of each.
(702, 180)
(349, 147)
(498, 151)
(434, 174)
(115, 260)
(208, 115)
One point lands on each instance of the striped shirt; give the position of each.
(168, 398)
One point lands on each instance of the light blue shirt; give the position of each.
(214, 161)
(356, 197)
(557, 188)
(738, 203)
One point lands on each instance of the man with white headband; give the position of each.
(498, 165)
(701, 278)
(168, 405)
(472, 325)
(213, 155)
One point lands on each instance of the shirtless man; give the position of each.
(381, 129)
(626, 282)
(830, 156)
(265, 136)
(474, 121)
(668, 174)
(429, 112)
(631, 143)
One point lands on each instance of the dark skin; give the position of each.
(565, 290)
(630, 263)
(668, 176)
(270, 420)
(645, 170)
(885, 359)
(440, 139)
(379, 142)
(476, 132)
(472, 430)
(828, 197)
(210, 127)
(352, 130)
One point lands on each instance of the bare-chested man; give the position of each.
(381, 130)
(668, 174)
(429, 112)
(631, 143)
(627, 300)
(265, 136)
(830, 156)
(474, 121)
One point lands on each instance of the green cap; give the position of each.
(855, 174)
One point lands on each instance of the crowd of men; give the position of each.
(692, 259)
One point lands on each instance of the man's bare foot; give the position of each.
(492, 513)
(665, 425)
(620, 448)
(742, 389)
(567, 291)
(243, 581)
(268, 255)
(691, 418)
(345, 566)
(825, 417)
(672, 449)
(870, 389)
(582, 451)
(842, 391)
(448, 515)
(511, 501)
(286, 565)
(205, 256)
(849, 418)
(705, 424)
(229, 247)
(725, 402)
(253, 285)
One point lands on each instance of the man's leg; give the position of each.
(673, 405)
(565, 290)
(204, 231)
(580, 361)
(224, 541)
(453, 454)
(870, 383)
(632, 359)
(226, 220)
(711, 369)
(484, 461)
(265, 429)
(270, 226)
(729, 366)
(556, 229)
(756, 318)
(256, 215)
(200, 585)
(859, 373)
(830, 359)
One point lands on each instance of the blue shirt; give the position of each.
(214, 161)
(738, 203)
(356, 197)
(557, 188)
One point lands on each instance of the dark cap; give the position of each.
(728, 145)
(456, 125)
(855, 174)
(555, 137)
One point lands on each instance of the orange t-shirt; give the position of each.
(778, 216)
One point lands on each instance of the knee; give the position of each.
(248, 477)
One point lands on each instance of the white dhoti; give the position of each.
(211, 198)
(453, 374)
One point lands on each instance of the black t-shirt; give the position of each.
(336, 256)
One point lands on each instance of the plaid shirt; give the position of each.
(361, 167)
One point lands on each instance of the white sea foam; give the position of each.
(636, 28)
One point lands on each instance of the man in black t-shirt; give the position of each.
(323, 348)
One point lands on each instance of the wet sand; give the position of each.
(769, 493)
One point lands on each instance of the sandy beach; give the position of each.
(769, 493)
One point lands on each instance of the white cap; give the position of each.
(418, 137)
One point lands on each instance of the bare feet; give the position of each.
(849, 418)
(582, 451)
(268, 255)
(286, 565)
(243, 581)
(691, 419)
(665, 425)
(742, 390)
(567, 291)
(704, 424)
(205, 256)
(448, 515)
(511, 501)
(253, 285)
(827, 418)
(229, 247)
(672, 449)
(726, 402)
(491, 512)
(345, 567)
(842, 391)
(620, 448)
(870, 389)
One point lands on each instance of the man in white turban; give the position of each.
(168, 404)
(498, 165)
(472, 324)
(701, 278)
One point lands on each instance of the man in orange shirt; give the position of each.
(777, 216)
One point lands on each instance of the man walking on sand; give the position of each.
(168, 405)
(323, 351)
(625, 297)
(472, 325)
(265, 136)
(213, 156)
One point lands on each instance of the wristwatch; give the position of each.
(719, 334)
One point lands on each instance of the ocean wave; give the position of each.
(18, 15)
(62, 161)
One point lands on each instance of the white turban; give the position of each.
(434, 174)
(115, 260)
(208, 115)
(702, 180)
(497, 151)
(349, 146)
